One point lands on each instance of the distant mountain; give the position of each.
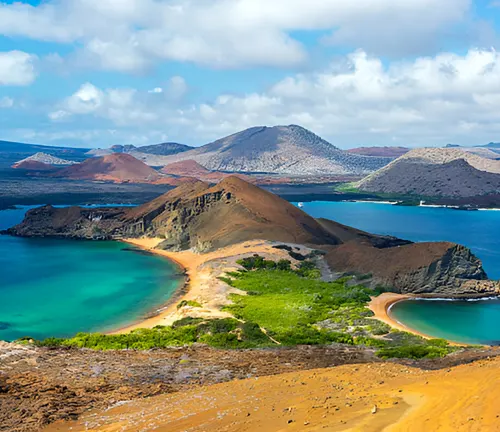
(391, 152)
(122, 148)
(43, 158)
(117, 167)
(12, 152)
(436, 173)
(148, 154)
(190, 168)
(289, 150)
(34, 166)
(492, 145)
(164, 149)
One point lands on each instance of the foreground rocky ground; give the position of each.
(364, 397)
(42, 386)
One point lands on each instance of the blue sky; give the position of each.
(94, 73)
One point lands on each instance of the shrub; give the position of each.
(190, 303)
(415, 352)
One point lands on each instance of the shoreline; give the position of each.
(382, 305)
(201, 284)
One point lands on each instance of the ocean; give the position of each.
(473, 322)
(57, 288)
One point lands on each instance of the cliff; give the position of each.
(441, 269)
(199, 217)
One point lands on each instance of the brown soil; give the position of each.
(361, 397)
(40, 386)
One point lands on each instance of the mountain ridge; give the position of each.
(436, 173)
(291, 150)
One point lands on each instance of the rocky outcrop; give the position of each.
(440, 269)
(70, 222)
(199, 217)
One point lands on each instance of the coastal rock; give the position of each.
(442, 269)
(201, 218)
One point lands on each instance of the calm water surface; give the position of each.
(57, 288)
(467, 322)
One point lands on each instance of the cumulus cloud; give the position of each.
(359, 100)
(123, 107)
(131, 35)
(17, 68)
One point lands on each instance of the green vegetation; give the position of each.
(190, 303)
(219, 333)
(283, 305)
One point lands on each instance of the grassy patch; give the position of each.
(284, 305)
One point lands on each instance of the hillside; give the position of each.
(163, 149)
(289, 150)
(436, 173)
(43, 158)
(117, 167)
(190, 168)
(201, 218)
(391, 152)
(35, 166)
(148, 154)
(12, 152)
(453, 179)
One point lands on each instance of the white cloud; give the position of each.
(177, 87)
(131, 35)
(427, 101)
(156, 90)
(17, 68)
(121, 106)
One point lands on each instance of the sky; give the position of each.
(94, 73)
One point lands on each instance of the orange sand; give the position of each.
(367, 398)
(203, 286)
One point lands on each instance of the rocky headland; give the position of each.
(204, 218)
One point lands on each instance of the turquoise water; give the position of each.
(475, 322)
(478, 230)
(57, 288)
(471, 322)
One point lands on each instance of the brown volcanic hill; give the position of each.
(202, 218)
(233, 211)
(187, 168)
(117, 167)
(456, 179)
(392, 152)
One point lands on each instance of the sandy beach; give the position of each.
(380, 307)
(202, 285)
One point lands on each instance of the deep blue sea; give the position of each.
(467, 322)
(478, 230)
(51, 287)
